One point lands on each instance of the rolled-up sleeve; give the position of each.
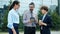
(25, 19)
(10, 21)
(36, 18)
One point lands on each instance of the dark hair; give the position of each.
(15, 2)
(44, 7)
(32, 4)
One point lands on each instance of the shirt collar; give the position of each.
(32, 11)
(45, 14)
(14, 10)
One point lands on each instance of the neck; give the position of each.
(46, 13)
(31, 11)
(14, 8)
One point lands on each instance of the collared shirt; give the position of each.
(26, 18)
(44, 17)
(13, 17)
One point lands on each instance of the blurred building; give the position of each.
(53, 8)
(59, 6)
(3, 7)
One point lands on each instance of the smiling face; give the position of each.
(31, 7)
(17, 6)
(43, 11)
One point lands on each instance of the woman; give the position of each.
(13, 18)
(45, 21)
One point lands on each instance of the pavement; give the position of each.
(52, 32)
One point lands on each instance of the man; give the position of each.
(45, 21)
(30, 20)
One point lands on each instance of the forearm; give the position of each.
(42, 23)
(25, 21)
(36, 19)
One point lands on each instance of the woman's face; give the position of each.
(17, 6)
(43, 11)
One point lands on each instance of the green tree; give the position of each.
(56, 21)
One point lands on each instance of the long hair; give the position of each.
(13, 4)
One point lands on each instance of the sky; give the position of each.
(25, 4)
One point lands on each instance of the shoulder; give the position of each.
(10, 12)
(35, 13)
(26, 11)
(49, 16)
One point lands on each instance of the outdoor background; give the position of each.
(54, 11)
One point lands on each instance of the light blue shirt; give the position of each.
(26, 18)
(13, 17)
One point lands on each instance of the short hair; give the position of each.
(32, 4)
(44, 7)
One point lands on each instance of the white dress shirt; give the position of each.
(13, 17)
(44, 16)
(26, 18)
(43, 19)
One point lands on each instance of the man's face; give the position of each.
(31, 7)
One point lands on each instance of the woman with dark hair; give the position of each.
(13, 18)
(45, 21)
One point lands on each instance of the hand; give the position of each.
(45, 24)
(14, 32)
(29, 21)
(41, 23)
